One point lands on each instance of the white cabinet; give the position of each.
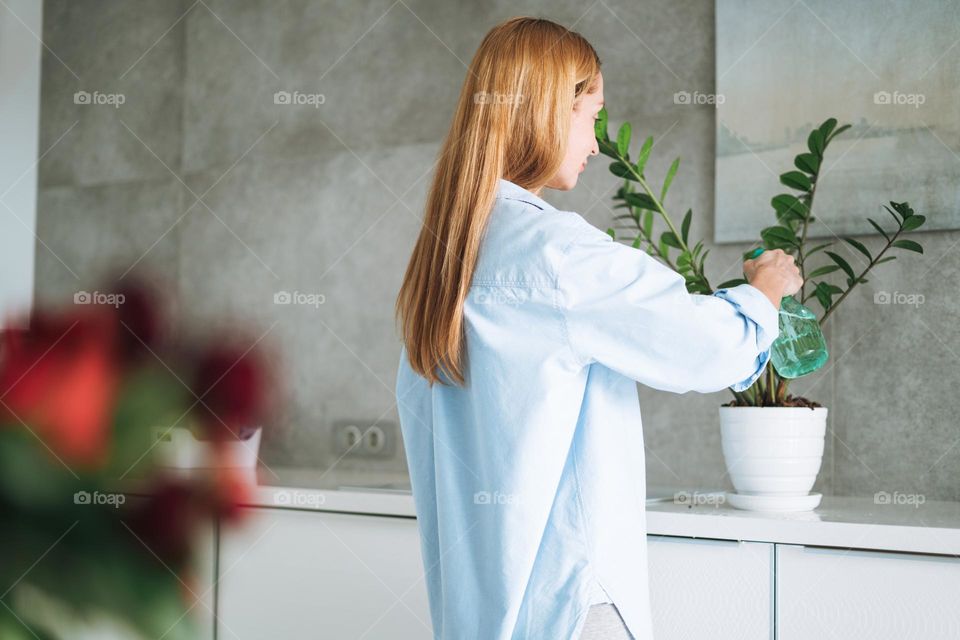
(713, 589)
(200, 589)
(322, 574)
(842, 593)
(310, 574)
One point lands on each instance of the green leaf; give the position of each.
(611, 233)
(669, 179)
(731, 283)
(778, 237)
(823, 295)
(836, 133)
(608, 149)
(648, 223)
(902, 208)
(815, 142)
(887, 259)
(816, 248)
(909, 245)
(825, 292)
(600, 126)
(669, 239)
(827, 127)
(644, 154)
(636, 242)
(913, 222)
(641, 201)
(623, 139)
(788, 205)
(843, 263)
(796, 180)
(879, 228)
(895, 216)
(621, 170)
(822, 271)
(808, 162)
(685, 226)
(859, 247)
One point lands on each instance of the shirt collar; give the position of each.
(507, 189)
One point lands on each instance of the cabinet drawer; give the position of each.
(715, 589)
(843, 593)
(297, 574)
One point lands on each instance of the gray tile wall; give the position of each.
(201, 178)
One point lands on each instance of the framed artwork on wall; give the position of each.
(889, 69)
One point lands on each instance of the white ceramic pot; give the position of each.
(179, 448)
(773, 455)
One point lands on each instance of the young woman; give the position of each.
(525, 330)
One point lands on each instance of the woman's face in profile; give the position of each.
(582, 142)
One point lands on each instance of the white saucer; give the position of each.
(774, 503)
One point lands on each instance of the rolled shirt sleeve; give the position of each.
(624, 309)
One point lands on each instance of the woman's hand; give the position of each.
(774, 273)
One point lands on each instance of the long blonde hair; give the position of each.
(512, 121)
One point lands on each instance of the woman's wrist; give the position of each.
(773, 288)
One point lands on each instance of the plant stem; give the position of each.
(636, 218)
(666, 218)
(856, 280)
(803, 237)
(781, 390)
(771, 387)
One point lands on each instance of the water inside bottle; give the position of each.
(800, 348)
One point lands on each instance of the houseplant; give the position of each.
(80, 391)
(772, 440)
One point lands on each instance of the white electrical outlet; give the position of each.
(374, 439)
(356, 439)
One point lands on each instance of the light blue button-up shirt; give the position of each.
(529, 480)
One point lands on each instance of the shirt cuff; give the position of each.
(762, 359)
(756, 307)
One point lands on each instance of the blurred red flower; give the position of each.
(91, 384)
(231, 386)
(59, 377)
(167, 520)
(232, 490)
(141, 324)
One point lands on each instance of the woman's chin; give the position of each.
(569, 182)
(563, 183)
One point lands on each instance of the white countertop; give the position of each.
(839, 521)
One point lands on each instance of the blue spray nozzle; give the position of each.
(756, 252)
